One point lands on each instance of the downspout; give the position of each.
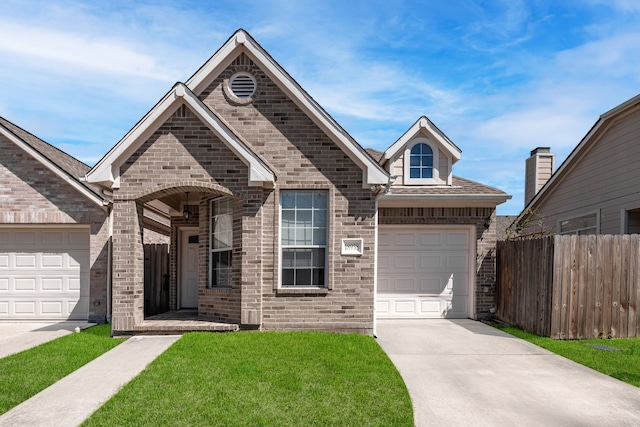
(380, 191)
(109, 262)
(375, 266)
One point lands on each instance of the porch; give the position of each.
(179, 322)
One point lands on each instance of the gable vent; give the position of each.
(242, 85)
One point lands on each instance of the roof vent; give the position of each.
(242, 85)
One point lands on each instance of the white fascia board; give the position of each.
(373, 173)
(107, 171)
(414, 130)
(53, 167)
(442, 200)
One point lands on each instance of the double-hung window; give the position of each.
(221, 242)
(303, 238)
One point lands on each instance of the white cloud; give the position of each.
(78, 50)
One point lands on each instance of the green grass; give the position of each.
(623, 365)
(24, 374)
(264, 379)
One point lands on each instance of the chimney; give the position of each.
(539, 168)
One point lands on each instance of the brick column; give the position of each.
(128, 266)
(251, 285)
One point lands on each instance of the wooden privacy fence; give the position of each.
(156, 279)
(571, 287)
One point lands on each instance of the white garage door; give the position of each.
(423, 272)
(44, 273)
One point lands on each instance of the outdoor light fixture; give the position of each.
(186, 213)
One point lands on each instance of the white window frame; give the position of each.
(579, 230)
(435, 177)
(282, 246)
(213, 250)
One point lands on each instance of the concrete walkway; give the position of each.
(465, 373)
(18, 336)
(74, 398)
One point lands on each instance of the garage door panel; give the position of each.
(404, 240)
(53, 260)
(53, 238)
(53, 284)
(44, 274)
(23, 284)
(430, 239)
(457, 263)
(25, 260)
(436, 284)
(459, 240)
(431, 261)
(25, 238)
(405, 261)
(52, 308)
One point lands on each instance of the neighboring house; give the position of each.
(278, 219)
(597, 188)
(54, 233)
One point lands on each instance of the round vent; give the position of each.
(242, 85)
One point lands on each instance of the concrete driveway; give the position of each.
(19, 336)
(463, 373)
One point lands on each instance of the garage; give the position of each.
(44, 273)
(425, 272)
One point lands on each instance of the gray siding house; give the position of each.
(275, 217)
(597, 188)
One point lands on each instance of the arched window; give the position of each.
(421, 162)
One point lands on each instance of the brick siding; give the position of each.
(183, 155)
(31, 194)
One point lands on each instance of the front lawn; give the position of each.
(264, 379)
(623, 365)
(25, 374)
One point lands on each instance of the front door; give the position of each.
(189, 244)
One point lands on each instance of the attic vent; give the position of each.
(242, 85)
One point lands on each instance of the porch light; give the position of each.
(186, 213)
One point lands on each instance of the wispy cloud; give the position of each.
(499, 78)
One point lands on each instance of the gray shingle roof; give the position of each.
(460, 186)
(72, 166)
(377, 155)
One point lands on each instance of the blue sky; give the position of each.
(498, 77)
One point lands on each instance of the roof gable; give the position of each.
(242, 42)
(586, 144)
(68, 168)
(107, 170)
(423, 126)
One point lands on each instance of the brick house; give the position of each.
(278, 220)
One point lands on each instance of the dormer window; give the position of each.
(421, 161)
(421, 158)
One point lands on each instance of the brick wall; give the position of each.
(303, 157)
(485, 297)
(183, 155)
(32, 194)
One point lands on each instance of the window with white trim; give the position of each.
(585, 224)
(421, 160)
(303, 238)
(221, 242)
